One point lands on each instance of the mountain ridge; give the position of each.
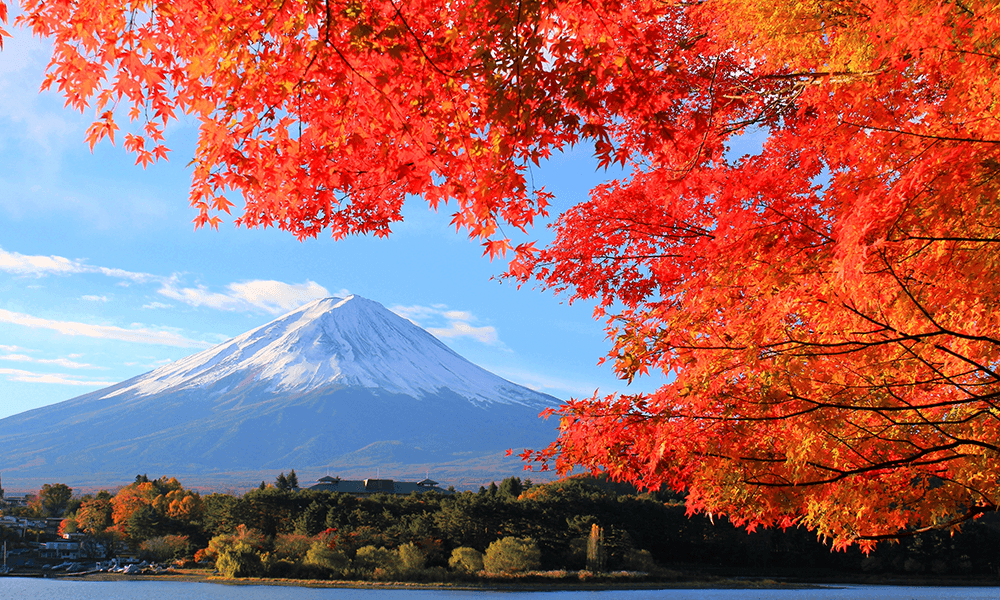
(309, 390)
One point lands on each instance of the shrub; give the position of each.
(512, 555)
(466, 559)
(164, 548)
(321, 555)
(239, 560)
(292, 546)
(411, 558)
(243, 535)
(380, 563)
(640, 560)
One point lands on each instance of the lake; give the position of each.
(14, 588)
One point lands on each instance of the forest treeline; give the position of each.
(578, 523)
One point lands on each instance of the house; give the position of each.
(60, 550)
(367, 487)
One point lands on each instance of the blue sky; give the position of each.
(103, 277)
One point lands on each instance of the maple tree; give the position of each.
(825, 305)
(155, 499)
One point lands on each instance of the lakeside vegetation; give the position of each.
(574, 529)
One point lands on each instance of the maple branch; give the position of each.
(952, 239)
(970, 514)
(326, 42)
(841, 474)
(420, 46)
(920, 135)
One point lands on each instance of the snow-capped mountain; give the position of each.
(340, 385)
(350, 342)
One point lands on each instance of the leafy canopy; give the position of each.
(826, 307)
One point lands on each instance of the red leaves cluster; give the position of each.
(827, 306)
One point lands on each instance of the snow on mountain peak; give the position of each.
(337, 342)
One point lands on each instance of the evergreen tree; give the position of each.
(510, 488)
(282, 482)
(293, 480)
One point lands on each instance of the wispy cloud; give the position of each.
(557, 386)
(60, 362)
(139, 335)
(40, 266)
(270, 296)
(486, 334)
(444, 323)
(59, 378)
(267, 295)
(276, 296)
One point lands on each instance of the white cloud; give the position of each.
(31, 377)
(40, 266)
(459, 315)
(136, 335)
(415, 313)
(276, 296)
(444, 323)
(200, 296)
(486, 334)
(61, 362)
(21, 264)
(271, 296)
(6, 348)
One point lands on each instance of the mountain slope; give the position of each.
(338, 385)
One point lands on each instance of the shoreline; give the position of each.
(499, 585)
(538, 583)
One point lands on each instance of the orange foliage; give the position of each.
(825, 306)
(166, 496)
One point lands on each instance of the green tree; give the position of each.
(143, 524)
(313, 519)
(510, 488)
(53, 499)
(512, 555)
(218, 517)
(281, 482)
(293, 480)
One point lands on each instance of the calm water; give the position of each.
(45, 589)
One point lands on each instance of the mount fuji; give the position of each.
(339, 386)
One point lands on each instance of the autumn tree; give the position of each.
(804, 241)
(146, 509)
(95, 516)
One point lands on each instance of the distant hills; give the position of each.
(340, 386)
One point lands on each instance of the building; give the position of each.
(367, 487)
(60, 550)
